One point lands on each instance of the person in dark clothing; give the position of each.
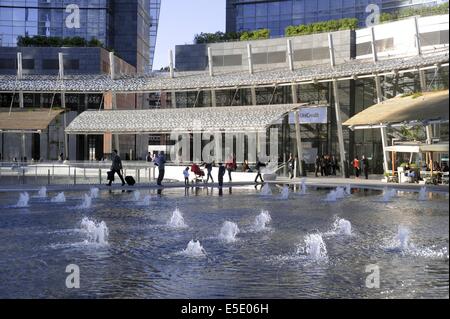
(209, 167)
(258, 167)
(334, 165)
(161, 163)
(290, 165)
(116, 167)
(317, 166)
(149, 157)
(365, 166)
(221, 174)
(323, 165)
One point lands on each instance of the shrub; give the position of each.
(255, 35)
(42, 41)
(325, 26)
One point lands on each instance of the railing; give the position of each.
(70, 172)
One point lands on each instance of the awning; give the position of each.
(419, 148)
(208, 119)
(201, 80)
(26, 120)
(429, 106)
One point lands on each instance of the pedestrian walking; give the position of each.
(365, 166)
(161, 163)
(258, 167)
(209, 167)
(356, 166)
(290, 166)
(116, 168)
(186, 176)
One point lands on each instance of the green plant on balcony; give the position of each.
(255, 35)
(324, 26)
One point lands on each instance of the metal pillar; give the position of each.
(171, 63)
(213, 98)
(63, 104)
(339, 128)
(253, 93)
(210, 62)
(383, 130)
(20, 77)
(250, 59)
(374, 47)
(331, 48)
(298, 135)
(112, 66)
(417, 36)
(290, 55)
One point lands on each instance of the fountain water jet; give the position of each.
(136, 195)
(42, 192)
(331, 196)
(261, 221)
(194, 249)
(303, 188)
(94, 192)
(348, 190)
(24, 198)
(228, 232)
(342, 227)
(402, 237)
(60, 198)
(388, 195)
(285, 193)
(177, 220)
(146, 201)
(87, 202)
(315, 247)
(265, 190)
(423, 194)
(97, 233)
(340, 193)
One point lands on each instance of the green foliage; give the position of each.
(324, 26)
(410, 12)
(414, 133)
(216, 37)
(42, 41)
(255, 35)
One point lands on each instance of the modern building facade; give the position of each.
(128, 27)
(395, 39)
(244, 15)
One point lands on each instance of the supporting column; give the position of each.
(250, 58)
(116, 136)
(63, 104)
(171, 63)
(20, 77)
(174, 99)
(423, 80)
(331, 48)
(23, 146)
(429, 131)
(373, 44)
(298, 136)
(253, 93)
(383, 130)
(112, 66)
(417, 36)
(213, 98)
(339, 128)
(210, 62)
(290, 54)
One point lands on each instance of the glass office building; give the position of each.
(243, 15)
(128, 27)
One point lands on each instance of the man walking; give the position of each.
(221, 174)
(161, 163)
(365, 166)
(258, 170)
(290, 165)
(116, 167)
(209, 167)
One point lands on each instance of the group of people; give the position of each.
(361, 166)
(326, 165)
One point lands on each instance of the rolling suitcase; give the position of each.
(130, 180)
(110, 176)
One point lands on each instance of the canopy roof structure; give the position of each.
(26, 120)
(428, 106)
(419, 148)
(185, 81)
(209, 119)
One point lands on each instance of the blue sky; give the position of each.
(180, 20)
